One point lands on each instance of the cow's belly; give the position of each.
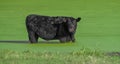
(46, 31)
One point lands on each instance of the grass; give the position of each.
(84, 56)
(99, 29)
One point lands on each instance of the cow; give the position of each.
(60, 28)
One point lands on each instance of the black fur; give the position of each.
(50, 28)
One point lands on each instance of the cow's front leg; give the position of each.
(72, 37)
(33, 38)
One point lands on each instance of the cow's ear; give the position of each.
(78, 19)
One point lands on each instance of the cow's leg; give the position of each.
(72, 37)
(65, 39)
(68, 39)
(36, 37)
(32, 37)
(62, 39)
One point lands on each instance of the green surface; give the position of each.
(84, 56)
(99, 28)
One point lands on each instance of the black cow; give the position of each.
(51, 28)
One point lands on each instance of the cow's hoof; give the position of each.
(73, 41)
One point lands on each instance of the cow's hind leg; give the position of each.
(68, 39)
(65, 39)
(33, 38)
(62, 39)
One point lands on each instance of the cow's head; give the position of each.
(72, 24)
